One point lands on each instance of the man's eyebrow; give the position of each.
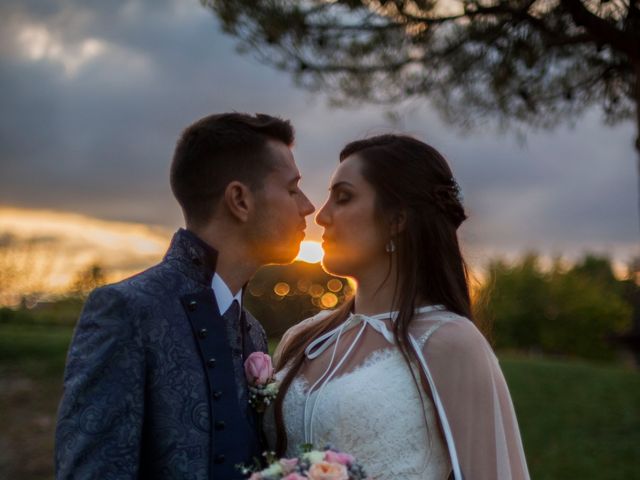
(340, 184)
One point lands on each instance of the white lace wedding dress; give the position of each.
(368, 404)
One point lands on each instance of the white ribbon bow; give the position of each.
(323, 342)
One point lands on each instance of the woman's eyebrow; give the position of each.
(340, 184)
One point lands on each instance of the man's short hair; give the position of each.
(217, 150)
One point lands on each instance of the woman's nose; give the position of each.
(323, 217)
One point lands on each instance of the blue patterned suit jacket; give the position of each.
(150, 389)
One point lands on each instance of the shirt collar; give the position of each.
(223, 294)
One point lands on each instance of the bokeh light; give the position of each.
(329, 300)
(281, 289)
(304, 284)
(316, 290)
(334, 285)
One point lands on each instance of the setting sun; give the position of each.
(310, 252)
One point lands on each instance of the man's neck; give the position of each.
(234, 264)
(234, 271)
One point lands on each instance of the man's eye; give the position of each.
(293, 192)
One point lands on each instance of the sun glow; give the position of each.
(310, 252)
(43, 251)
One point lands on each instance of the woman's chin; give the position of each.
(335, 265)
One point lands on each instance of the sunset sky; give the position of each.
(94, 95)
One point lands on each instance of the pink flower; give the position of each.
(294, 476)
(337, 457)
(258, 368)
(328, 471)
(288, 464)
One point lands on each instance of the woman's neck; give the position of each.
(376, 291)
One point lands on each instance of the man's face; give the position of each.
(278, 222)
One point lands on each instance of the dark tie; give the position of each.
(233, 311)
(232, 321)
(234, 334)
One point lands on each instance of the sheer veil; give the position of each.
(465, 383)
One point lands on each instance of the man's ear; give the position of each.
(398, 222)
(239, 200)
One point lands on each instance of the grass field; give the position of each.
(578, 421)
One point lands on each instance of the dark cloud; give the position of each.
(95, 94)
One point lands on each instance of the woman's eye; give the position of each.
(343, 197)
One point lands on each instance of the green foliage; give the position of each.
(512, 300)
(88, 279)
(61, 312)
(571, 312)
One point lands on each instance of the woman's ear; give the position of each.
(239, 200)
(398, 222)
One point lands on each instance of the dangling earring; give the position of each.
(390, 247)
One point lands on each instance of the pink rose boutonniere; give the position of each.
(263, 389)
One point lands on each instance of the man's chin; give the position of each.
(282, 257)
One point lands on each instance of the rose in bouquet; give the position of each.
(327, 464)
(263, 389)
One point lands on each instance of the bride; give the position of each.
(400, 377)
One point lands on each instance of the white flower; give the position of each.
(274, 470)
(314, 456)
(271, 389)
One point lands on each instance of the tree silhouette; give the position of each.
(91, 277)
(517, 62)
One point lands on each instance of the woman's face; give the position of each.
(354, 238)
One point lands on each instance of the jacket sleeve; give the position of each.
(100, 415)
(476, 402)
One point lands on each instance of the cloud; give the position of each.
(95, 94)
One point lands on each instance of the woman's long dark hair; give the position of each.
(408, 177)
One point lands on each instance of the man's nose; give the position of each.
(307, 206)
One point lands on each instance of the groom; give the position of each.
(154, 386)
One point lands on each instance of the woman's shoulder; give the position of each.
(298, 328)
(307, 322)
(448, 329)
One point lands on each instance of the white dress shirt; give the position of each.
(223, 294)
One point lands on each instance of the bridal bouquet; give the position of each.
(263, 389)
(325, 464)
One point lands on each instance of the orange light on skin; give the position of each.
(310, 252)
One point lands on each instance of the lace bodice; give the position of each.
(374, 413)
